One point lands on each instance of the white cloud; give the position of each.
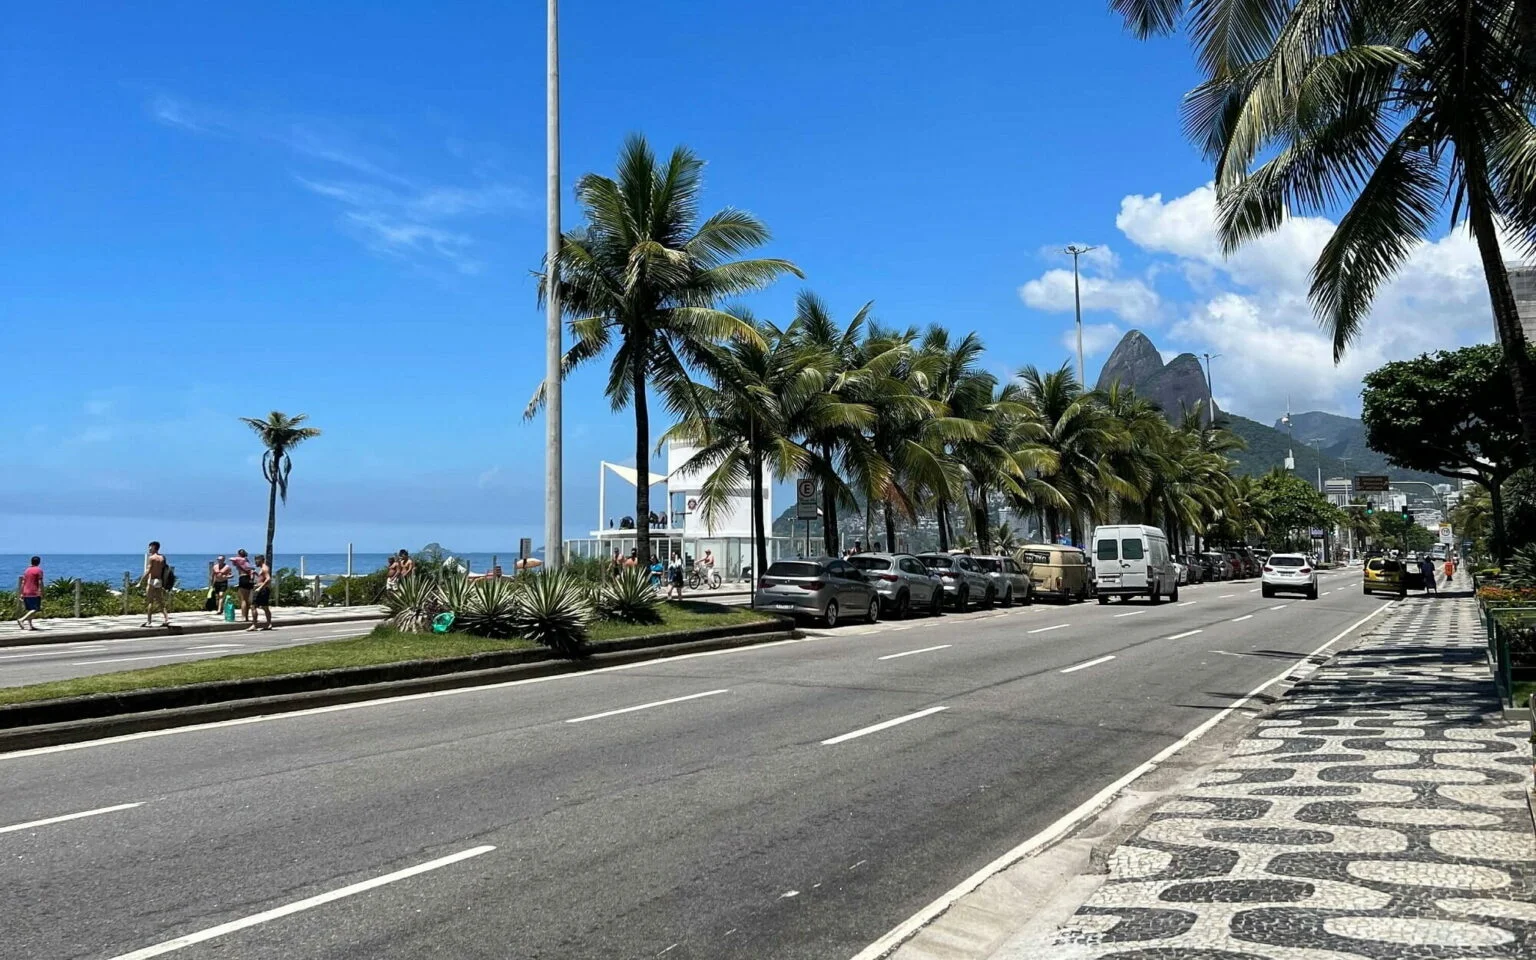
(1130, 300)
(1097, 338)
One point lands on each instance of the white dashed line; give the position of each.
(1226, 596)
(68, 816)
(1133, 613)
(1187, 603)
(1044, 629)
(908, 653)
(885, 725)
(1279, 606)
(1186, 633)
(646, 706)
(1246, 616)
(1090, 663)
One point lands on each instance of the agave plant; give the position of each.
(553, 610)
(630, 597)
(1520, 570)
(454, 592)
(490, 610)
(413, 604)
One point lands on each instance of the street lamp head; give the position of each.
(1076, 249)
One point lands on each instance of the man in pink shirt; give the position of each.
(31, 594)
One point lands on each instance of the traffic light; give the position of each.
(1370, 508)
(1407, 515)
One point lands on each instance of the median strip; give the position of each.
(1090, 663)
(646, 706)
(69, 816)
(298, 906)
(885, 725)
(908, 653)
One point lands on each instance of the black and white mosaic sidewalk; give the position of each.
(1378, 813)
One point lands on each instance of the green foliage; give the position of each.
(488, 608)
(1520, 571)
(366, 588)
(1290, 507)
(412, 605)
(629, 597)
(553, 611)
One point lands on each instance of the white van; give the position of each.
(1132, 560)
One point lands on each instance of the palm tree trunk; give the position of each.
(1500, 548)
(1506, 319)
(829, 531)
(271, 524)
(943, 517)
(890, 528)
(980, 517)
(642, 466)
(760, 545)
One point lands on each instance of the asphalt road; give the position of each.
(745, 810)
(60, 661)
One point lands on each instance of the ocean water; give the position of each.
(191, 569)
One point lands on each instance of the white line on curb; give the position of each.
(1246, 616)
(1044, 629)
(299, 906)
(69, 816)
(884, 725)
(1071, 820)
(908, 653)
(1090, 663)
(1181, 636)
(646, 706)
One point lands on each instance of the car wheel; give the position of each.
(1265, 592)
(1008, 598)
(831, 615)
(1312, 594)
(1366, 590)
(1103, 600)
(990, 600)
(936, 603)
(903, 606)
(962, 600)
(873, 613)
(1154, 596)
(1175, 595)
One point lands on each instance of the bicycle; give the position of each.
(697, 578)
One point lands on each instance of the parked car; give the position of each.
(1289, 573)
(902, 582)
(1196, 567)
(1132, 560)
(1009, 578)
(825, 588)
(1217, 566)
(963, 583)
(1384, 575)
(1057, 570)
(1243, 566)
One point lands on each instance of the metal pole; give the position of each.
(349, 575)
(1210, 391)
(1077, 301)
(77, 598)
(1317, 446)
(553, 345)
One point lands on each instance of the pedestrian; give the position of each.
(261, 599)
(31, 595)
(407, 565)
(675, 578)
(245, 580)
(1450, 569)
(392, 574)
(221, 574)
(616, 565)
(657, 570)
(155, 587)
(633, 560)
(1427, 568)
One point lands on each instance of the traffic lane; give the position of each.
(332, 793)
(62, 661)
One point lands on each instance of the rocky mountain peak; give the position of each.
(1136, 363)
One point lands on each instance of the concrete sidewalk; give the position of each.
(69, 630)
(1380, 811)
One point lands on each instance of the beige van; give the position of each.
(1057, 571)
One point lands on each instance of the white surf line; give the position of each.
(908, 653)
(1133, 613)
(383, 701)
(1075, 817)
(299, 906)
(646, 706)
(883, 725)
(1246, 616)
(69, 816)
(1090, 663)
(1045, 629)
(1181, 636)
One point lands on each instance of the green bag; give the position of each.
(442, 622)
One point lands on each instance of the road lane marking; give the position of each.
(1279, 606)
(883, 725)
(298, 906)
(1188, 602)
(1246, 616)
(1226, 596)
(1074, 818)
(1090, 663)
(157, 656)
(1186, 633)
(908, 653)
(1045, 629)
(1326, 592)
(1254, 590)
(1133, 613)
(215, 646)
(69, 816)
(646, 706)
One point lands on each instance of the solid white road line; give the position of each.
(69, 816)
(1074, 818)
(908, 653)
(157, 656)
(1180, 636)
(646, 706)
(1246, 616)
(1133, 613)
(1090, 663)
(885, 725)
(298, 906)
(215, 646)
(1045, 629)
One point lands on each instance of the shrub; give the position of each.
(455, 593)
(553, 610)
(587, 569)
(490, 609)
(629, 597)
(1505, 595)
(413, 604)
(1520, 571)
(366, 588)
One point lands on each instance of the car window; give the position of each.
(1279, 561)
(794, 568)
(988, 565)
(839, 568)
(912, 566)
(870, 563)
(1129, 549)
(1108, 550)
(965, 563)
(937, 563)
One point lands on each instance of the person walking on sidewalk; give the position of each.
(220, 574)
(245, 581)
(155, 587)
(1427, 568)
(31, 595)
(261, 600)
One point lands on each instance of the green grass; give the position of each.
(1522, 692)
(384, 645)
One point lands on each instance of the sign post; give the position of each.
(806, 506)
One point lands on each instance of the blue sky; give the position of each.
(335, 208)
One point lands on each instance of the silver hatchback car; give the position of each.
(1010, 577)
(963, 583)
(902, 581)
(826, 588)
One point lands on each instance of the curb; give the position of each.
(30, 639)
(26, 726)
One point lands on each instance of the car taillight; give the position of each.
(889, 577)
(1306, 569)
(947, 575)
(813, 585)
(764, 583)
(1268, 569)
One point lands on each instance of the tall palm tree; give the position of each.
(279, 434)
(1395, 107)
(1082, 438)
(952, 378)
(645, 277)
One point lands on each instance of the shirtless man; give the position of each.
(154, 586)
(221, 572)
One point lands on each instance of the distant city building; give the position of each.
(1338, 490)
(1522, 279)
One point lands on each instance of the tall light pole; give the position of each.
(1210, 392)
(1077, 301)
(554, 532)
(1317, 446)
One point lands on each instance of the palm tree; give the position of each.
(951, 377)
(645, 277)
(1394, 107)
(1082, 438)
(279, 434)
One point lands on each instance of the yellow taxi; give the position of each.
(1385, 575)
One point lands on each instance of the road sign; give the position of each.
(1445, 533)
(524, 548)
(1317, 533)
(806, 506)
(1372, 483)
